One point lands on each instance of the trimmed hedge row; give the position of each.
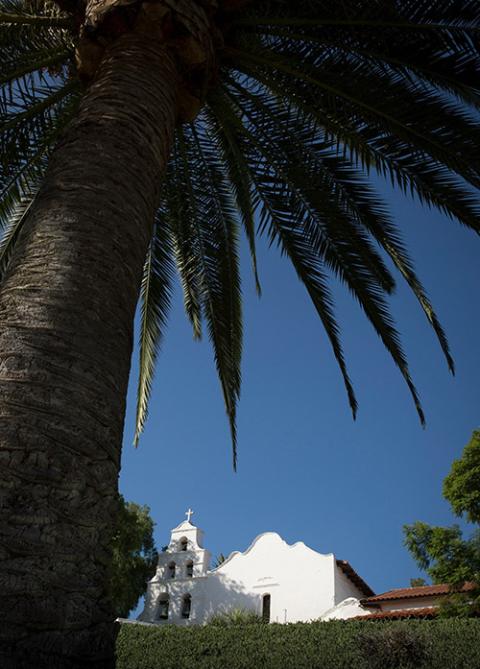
(414, 644)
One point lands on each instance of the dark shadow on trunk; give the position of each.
(66, 328)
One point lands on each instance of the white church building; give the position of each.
(280, 582)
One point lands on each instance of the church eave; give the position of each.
(351, 574)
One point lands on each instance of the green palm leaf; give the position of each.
(238, 174)
(305, 102)
(155, 295)
(217, 247)
(179, 212)
(12, 228)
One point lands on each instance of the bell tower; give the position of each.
(185, 550)
(172, 594)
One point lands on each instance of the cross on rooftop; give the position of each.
(189, 514)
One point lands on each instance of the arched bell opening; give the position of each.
(186, 606)
(163, 606)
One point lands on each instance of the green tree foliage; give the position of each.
(134, 556)
(443, 552)
(462, 486)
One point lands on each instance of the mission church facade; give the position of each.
(280, 582)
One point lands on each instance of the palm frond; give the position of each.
(34, 20)
(13, 228)
(300, 155)
(21, 174)
(178, 215)
(340, 96)
(33, 62)
(309, 99)
(237, 168)
(293, 197)
(283, 219)
(155, 296)
(453, 71)
(414, 172)
(215, 224)
(27, 27)
(371, 213)
(448, 14)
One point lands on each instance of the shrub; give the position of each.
(434, 644)
(394, 647)
(236, 617)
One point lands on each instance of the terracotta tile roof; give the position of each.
(427, 612)
(350, 573)
(422, 591)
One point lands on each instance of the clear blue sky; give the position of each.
(306, 469)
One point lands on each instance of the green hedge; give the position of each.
(414, 644)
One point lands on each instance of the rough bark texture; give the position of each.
(66, 322)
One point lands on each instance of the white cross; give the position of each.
(189, 514)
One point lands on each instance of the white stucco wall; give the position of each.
(352, 608)
(344, 587)
(299, 580)
(302, 583)
(410, 603)
(348, 608)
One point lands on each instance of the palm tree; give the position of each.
(138, 138)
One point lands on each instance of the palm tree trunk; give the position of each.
(66, 321)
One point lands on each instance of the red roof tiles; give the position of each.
(422, 591)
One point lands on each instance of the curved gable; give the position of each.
(270, 548)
